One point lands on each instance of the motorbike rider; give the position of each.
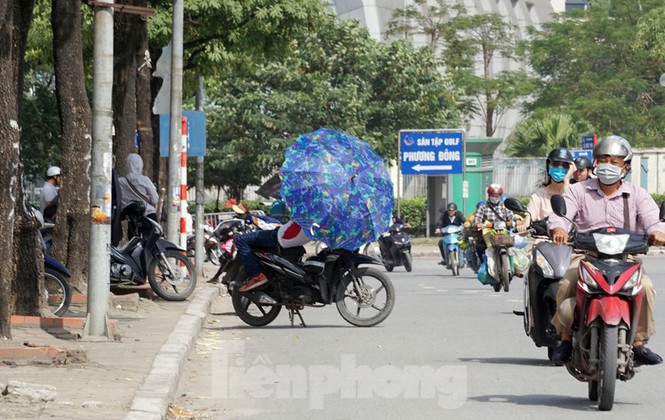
(287, 235)
(559, 168)
(583, 168)
(451, 216)
(491, 211)
(598, 203)
(48, 199)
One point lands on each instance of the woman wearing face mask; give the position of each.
(560, 168)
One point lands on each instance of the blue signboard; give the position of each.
(585, 153)
(431, 152)
(196, 129)
(588, 141)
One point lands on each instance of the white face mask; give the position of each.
(608, 174)
(495, 200)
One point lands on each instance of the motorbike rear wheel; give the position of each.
(57, 292)
(367, 289)
(454, 262)
(505, 272)
(408, 261)
(251, 312)
(608, 353)
(172, 278)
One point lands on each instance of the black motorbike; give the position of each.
(364, 296)
(57, 293)
(549, 262)
(395, 246)
(170, 273)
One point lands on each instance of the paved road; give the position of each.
(451, 348)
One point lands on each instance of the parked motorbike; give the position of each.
(451, 250)
(395, 246)
(170, 273)
(607, 306)
(549, 262)
(210, 243)
(364, 296)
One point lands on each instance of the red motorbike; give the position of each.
(607, 306)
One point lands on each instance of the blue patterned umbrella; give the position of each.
(338, 188)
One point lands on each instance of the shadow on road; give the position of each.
(545, 400)
(509, 361)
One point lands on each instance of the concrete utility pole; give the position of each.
(198, 249)
(173, 219)
(101, 166)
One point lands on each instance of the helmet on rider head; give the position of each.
(480, 203)
(614, 146)
(583, 162)
(52, 171)
(495, 189)
(452, 207)
(560, 154)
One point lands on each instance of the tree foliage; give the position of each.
(337, 77)
(593, 67)
(539, 134)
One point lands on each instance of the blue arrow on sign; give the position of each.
(431, 152)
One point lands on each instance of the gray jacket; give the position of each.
(141, 184)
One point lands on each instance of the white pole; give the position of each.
(101, 166)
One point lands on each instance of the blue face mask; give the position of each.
(557, 174)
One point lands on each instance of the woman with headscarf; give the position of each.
(135, 186)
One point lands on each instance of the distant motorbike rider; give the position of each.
(451, 216)
(598, 203)
(559, 169)
(583, 168)
(492, 211)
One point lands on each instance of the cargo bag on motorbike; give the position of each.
(500, 240)
(483, 275)
(520, 259)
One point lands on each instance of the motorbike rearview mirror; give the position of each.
(662, 211)
(514, 205)
(558, 205)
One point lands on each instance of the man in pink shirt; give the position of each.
(599, 203)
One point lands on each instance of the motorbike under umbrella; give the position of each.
(338, 188)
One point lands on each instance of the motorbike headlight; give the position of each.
(633, 282)
(587, 278)
(499, 225)
(544, 265)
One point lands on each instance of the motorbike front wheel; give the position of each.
(454, 262)
(505, 272)
(57, 292)
(250, 311)
(608, 353)
(172, 277)
(365, 291)
(408, 261)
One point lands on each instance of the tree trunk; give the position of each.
(15, 19)
(125, 45)
(72, 232)
(144, 100)
(30, 257)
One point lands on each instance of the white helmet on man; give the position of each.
(52, 171)
(615, 146)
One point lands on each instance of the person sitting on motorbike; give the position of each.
(287, 235)
(583, 168)
(599, 203)
(451, 216)
(492, 211)
(559, 168)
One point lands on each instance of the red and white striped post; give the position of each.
(183, 183)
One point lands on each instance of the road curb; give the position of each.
(152, 399)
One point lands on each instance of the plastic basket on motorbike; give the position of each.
(498, 240)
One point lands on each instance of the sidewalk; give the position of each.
(134, 376)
